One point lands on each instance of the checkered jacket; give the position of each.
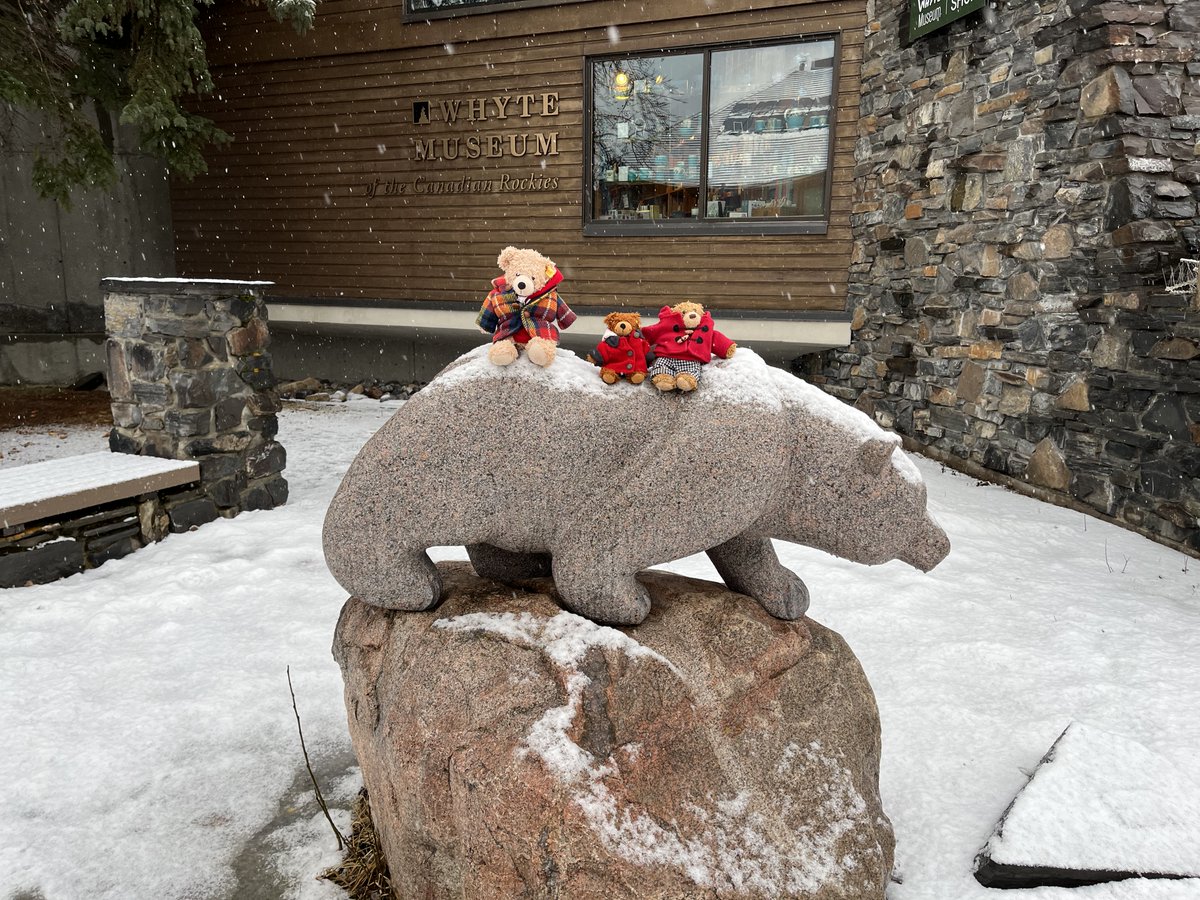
(503, 315)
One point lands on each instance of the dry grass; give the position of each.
(40, 406)
(363, 872)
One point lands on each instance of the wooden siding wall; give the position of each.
(315, 118)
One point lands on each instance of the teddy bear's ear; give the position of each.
(505, 255)
(550, 270)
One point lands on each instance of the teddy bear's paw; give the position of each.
(686, 381)
(541, 351)
(637, 377)
(503, 353)
(663, 382)
(609, 376)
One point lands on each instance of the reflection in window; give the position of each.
(646, 137)
(760, 150)
(768, 134)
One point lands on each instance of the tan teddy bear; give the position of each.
(524, 309)
(622, 352)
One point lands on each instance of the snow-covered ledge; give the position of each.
(799, 334)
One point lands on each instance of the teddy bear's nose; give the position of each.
(521, 284)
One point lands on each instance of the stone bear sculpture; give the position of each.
(550, 471)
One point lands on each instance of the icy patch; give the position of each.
(827, 407)
(735, 848)
(568, 373)
(565, 638)
(1102, 802)
(745, 378)
(1149, 164)
(906, 467)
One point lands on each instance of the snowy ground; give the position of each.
(149, 748)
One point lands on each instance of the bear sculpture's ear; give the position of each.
(876, 453)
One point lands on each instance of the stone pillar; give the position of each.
(190, 378)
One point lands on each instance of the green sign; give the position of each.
(925, 16)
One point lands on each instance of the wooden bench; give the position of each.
(64, 515)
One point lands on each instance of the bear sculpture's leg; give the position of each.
(503, 352)
(541, 351)
(505, 566)
(410, 581)
(590, 589)
(749, 566)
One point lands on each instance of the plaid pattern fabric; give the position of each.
(665, 366)
(505, 316)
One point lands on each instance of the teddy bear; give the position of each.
(524, 309)
(683, 341)
(622, 352)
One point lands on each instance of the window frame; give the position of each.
(476, 7)
(702, 226)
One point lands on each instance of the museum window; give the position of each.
(735, 139)
(417, 10)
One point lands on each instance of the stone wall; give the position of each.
(52, 259)
(1022, 179)
(45, 550)
(190, 378)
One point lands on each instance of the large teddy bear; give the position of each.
(684, 339)
(524, 309)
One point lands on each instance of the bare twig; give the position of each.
(341, 838)
(1110, 568)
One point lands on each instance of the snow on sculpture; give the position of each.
(541, 471)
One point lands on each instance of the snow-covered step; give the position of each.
(42, 490)
(1099, 807)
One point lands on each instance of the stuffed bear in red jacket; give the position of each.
(623, 352)
(684, 340)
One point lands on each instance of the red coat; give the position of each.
(671, 340)
(627, 357)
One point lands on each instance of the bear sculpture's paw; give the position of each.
(411, 584)
(611, 600)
